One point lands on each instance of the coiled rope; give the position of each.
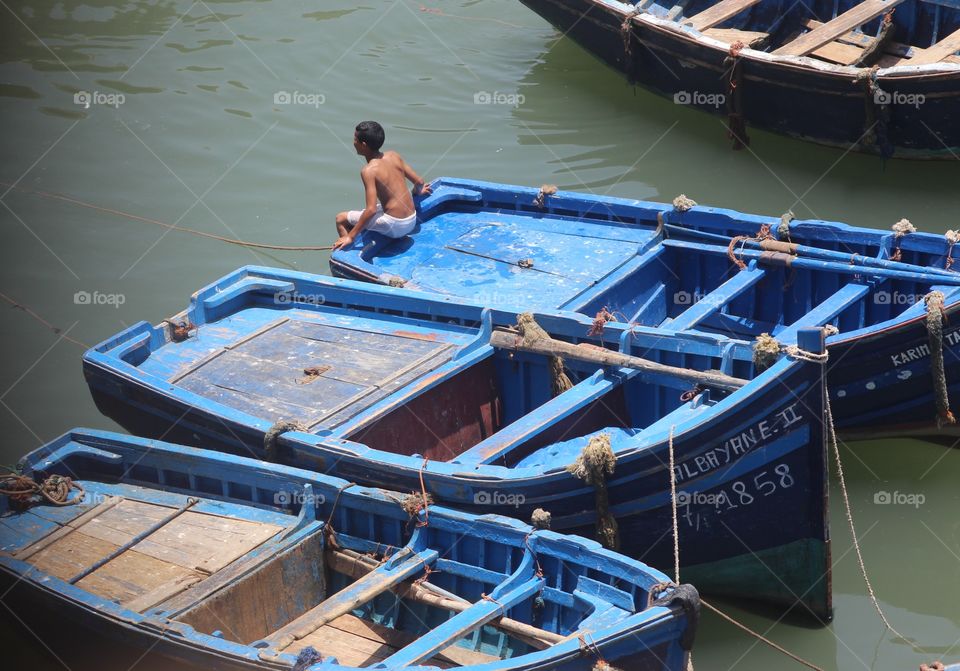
(21, 489)
(172, 227)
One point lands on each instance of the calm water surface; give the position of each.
(188, 122)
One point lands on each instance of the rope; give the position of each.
(413, 502)
(34, 315)
(55, 489)
(783, 228)
(329, 530)
(545, 190)
(541, 519)
(626, 34)
(876, 47)
(600, 321)
(900, 229)
(673, 501)
(270, 447)
(172, 227)
(593, 465)
(936, 318)
(762, 234)
(681, 203)
(306, 658)
(761, 637)
(736, 125)
(846, 502)
(952, 238)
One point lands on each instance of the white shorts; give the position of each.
(385, 224)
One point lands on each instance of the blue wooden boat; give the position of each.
(876, 76)
(402, 389)
(513, 247)
(222, 562)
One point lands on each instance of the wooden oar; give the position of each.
(811, 251)
(604, 357)
(767, 258)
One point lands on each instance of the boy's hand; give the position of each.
(423, 189)
(343, 242)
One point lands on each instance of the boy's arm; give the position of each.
(419, 187)
(370, 195)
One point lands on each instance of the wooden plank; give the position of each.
(71, 526)
(720, 12)
(848, 47)
(838, 52)
(128, 576)
(946, 47)
(193, 540)
(360, 643)
(831, 30)
(732, 35)
(162, 592)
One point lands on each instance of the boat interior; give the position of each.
(414, 384)
(841, 32)
(231, 556)
(686, 286)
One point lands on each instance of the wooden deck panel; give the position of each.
(718, 13)
(831, 30)
(182, 552)
(847, 49)
(357, 642)
(264, 375)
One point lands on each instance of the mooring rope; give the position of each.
(936, 318)
(676, 572)
(846, 502)
(57, 330)
(172, 227)
(676, 526)
(762, 234)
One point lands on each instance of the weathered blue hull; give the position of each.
(593, 254)
(220, 620)
(741, 459)
(828, 104)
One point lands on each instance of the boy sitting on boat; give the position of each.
(389, 206)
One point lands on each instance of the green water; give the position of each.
(199, 140)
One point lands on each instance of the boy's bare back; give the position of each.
(390, 174)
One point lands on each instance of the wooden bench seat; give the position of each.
(847, 49)
(751, 38)
(718, 13)
(852, 18)
(942, 50)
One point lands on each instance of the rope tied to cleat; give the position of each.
(936, 318)
(22, 489)
(952, 237)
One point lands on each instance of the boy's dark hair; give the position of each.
(371, 134)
